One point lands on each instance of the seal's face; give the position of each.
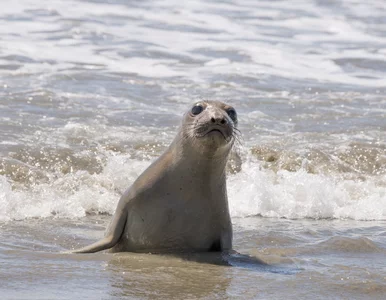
(212, 124)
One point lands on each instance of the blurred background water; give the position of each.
(92, 91)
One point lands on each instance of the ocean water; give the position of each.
(91, 92)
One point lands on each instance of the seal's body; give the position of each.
(179, 204)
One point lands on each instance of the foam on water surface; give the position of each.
(253, 191)
(299, 194)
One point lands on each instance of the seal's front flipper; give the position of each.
(114, 233)
(102, 244)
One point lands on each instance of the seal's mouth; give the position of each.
(216, 131)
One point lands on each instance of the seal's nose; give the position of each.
(218, 119)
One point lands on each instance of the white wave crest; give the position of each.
(71, 196)
(253, 191)
(296, 195)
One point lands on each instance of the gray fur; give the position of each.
(180, 203)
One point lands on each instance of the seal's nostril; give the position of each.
(213, 120)
(223, 121)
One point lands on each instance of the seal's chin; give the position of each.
(216, 137)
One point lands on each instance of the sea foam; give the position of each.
(253, 191)
(294, 195)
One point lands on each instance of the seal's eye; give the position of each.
(197, 109)
(232, 114)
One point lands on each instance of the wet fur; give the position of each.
(179, 204)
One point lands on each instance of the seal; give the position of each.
(179, 203)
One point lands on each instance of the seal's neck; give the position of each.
(199, 161)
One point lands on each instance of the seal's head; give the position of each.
(210, 126)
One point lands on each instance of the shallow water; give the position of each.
(303, 258)
(93, 91)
